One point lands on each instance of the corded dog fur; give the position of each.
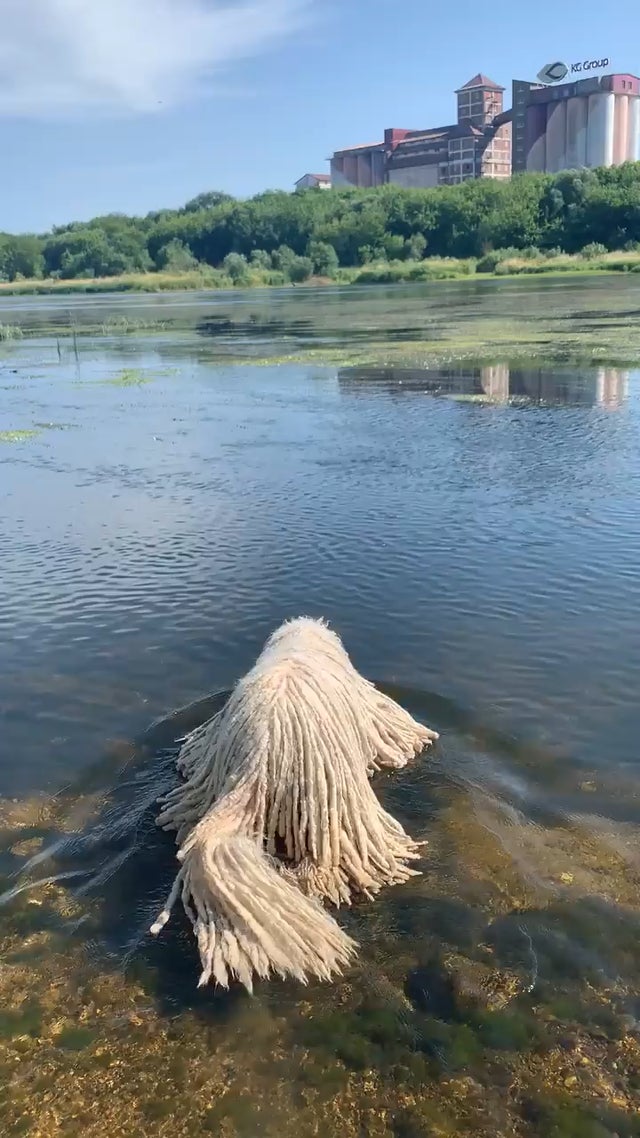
(276, 814)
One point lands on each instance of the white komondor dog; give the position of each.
(276, 813)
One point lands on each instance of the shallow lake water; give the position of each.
(171, 490)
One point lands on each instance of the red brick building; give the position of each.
(478, 145)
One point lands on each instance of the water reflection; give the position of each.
(497, 383)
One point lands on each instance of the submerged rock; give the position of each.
(431, 990)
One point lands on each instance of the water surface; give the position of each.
(471, 529)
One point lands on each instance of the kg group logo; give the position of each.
(556, 72)
(589, 65)
(553, 72)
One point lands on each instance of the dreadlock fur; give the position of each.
(275, 813)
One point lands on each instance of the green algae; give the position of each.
(559, 1116)
(371, 1035)
(480, 351)
(325, 1077)
(130, 377)
(560, 333)
(521, 319)
(354, 1052)
(75, 1038)
(137, 377)
(25, 1020)
(19, 436)
(20, 1126)
(243, 1114)
(507, 1030)
(157, 1108)
(10, 332)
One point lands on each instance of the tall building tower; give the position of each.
(479, 101)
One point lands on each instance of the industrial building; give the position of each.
(314, 182)
(477, 145)
(592, 122)
(589, 122)
(364, 165)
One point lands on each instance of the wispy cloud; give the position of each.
(71, 57)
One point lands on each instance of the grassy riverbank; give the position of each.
(277, 237)
(503, 262)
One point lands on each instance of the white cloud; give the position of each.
(68, 57)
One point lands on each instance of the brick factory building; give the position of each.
(478, 145)
(592, 122)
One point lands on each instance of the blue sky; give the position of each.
(131, 105)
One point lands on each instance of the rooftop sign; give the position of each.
(556, 72)
(553, 72)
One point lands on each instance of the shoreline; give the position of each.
(383, 273)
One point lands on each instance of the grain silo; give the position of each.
(590, 122)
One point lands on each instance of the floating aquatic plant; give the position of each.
(19, 436)
(130, 377)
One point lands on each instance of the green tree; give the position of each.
(299, 269)
(90, 250)
(274, 230)
(282, 258)
(395, 247)
(176, 257)
(261, 260)
(237, 267)
(417, 246)
(208, 200)
(20, 256)
(358, 221)
(324, 258)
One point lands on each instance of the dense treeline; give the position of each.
(292, 236)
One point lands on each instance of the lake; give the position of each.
(451, 475)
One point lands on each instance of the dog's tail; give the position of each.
(247, 918)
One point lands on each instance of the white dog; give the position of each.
(276, 813)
